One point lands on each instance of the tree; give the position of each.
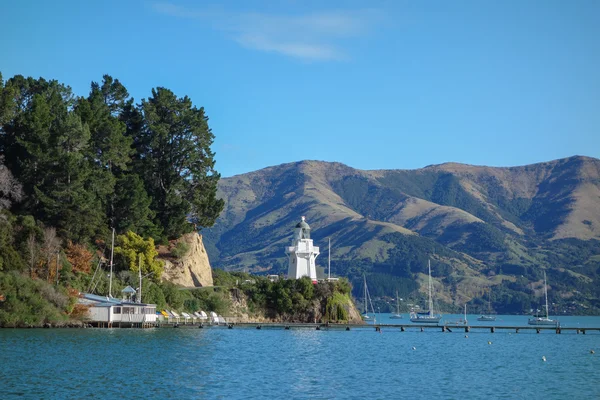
(10, 189)
(132, 207)
(50, 249)
(175, 161)
(79, 257)
(134, 251)
(109, 148)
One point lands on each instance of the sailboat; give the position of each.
(488, 316)
(397, 315)
(366, 297)
(428, 316)
(541, 320)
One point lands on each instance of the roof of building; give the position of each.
(128, 289)
(105, 301)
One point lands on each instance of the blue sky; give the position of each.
(372, 84)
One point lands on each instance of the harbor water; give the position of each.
(191, 363)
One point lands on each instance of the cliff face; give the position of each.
(193, 268)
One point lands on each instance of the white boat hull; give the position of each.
(426, 320)
(396, 316)
(486, 318)
(542, 321)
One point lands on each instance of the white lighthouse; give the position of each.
(302, 253)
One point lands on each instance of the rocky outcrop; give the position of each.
(239, 311)
(191, 269)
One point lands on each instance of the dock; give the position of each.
(387, 327)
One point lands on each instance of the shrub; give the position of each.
(180, 249)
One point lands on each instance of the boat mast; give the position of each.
(546, 294)
(430, 287)
(365, 295)
(112, 249)
(140, 275)
(329, 259)
(397, 304)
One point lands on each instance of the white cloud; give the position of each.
(317, 36)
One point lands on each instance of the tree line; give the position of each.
(72, 168)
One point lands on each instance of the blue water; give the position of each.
(297, 364)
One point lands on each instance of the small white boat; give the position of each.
(543, 320)
(397, 315)
(488, 316)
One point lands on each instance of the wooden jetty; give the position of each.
(378, 327)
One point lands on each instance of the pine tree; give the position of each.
(175, 161)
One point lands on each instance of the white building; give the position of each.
(110, 312)
(302, 254)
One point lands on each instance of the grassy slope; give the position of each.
(494, 221)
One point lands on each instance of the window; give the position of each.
(117, 310)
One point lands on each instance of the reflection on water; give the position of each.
(252, 364)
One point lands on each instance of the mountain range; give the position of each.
(483, 228)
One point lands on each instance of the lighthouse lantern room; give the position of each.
(302, 253)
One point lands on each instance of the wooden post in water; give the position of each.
(467, 329)
(443, 329)
(537, 330)
(558, 331)
(421, 329)
(517, 330)
(493, 329)
(401, 329)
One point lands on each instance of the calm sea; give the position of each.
(297, 364)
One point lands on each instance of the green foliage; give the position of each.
(132, 210)
(289, 299)
(10, 259)
(153, 294)
(479, 237)
(29, 302)
(89, 164)
(175, 161)
(135, 252)
(180, 249)
(371, 200)
(336, 309)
